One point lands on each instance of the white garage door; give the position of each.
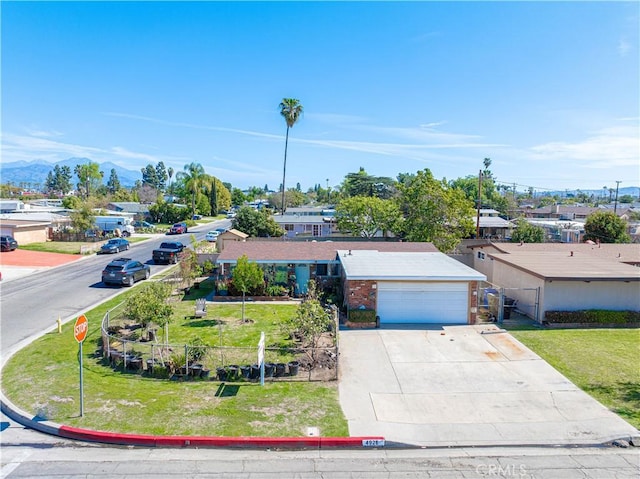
(419, 302)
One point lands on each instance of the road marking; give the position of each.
(11, 466)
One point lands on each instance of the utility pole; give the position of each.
(479, 204)
(615, 205)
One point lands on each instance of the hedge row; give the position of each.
(597, 316)
(362, 315)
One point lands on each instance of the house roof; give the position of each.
(405, 266)
(234, 233)
(568, 265)
(624, 253)
(129, 206)
(305, 251)
(493, 222)
(303, 219)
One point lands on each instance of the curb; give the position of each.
(249, 442)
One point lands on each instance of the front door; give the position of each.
(302, 278)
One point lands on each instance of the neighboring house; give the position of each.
(12, 206)
(565, 277)
(25, 231)
(231, 235)
(129, 208)
(562, 212)
(307, 221)
(404, 282)
(492, 225)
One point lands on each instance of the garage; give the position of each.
(423, 302)
(410, 287)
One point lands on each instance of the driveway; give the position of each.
(463, 386)
(21, 262)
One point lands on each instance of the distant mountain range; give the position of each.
(33, 174)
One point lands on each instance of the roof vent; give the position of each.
(571, 254)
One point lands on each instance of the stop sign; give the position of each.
(80, 328)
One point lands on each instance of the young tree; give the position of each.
(149, 305)
(435, 212)
(365, 216)
(291, 109)
(310, 322)
(527, 233)
(246, 276)
(83, 218)
(606, 227)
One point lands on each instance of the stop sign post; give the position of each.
(80, 330)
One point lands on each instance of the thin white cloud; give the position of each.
(610, 146)
(624, 47)
(43, 133)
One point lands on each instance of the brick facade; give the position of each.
(360, 293)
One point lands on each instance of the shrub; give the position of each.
(593, 316)
(362, 315)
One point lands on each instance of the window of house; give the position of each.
(321, 270)
(288, 227)
(480, 255)
(317, 230)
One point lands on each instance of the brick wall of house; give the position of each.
(473, 302)
(360, 293)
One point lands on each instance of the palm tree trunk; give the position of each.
(284, 171)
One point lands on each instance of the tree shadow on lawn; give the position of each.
(203, 323)
(624, 392)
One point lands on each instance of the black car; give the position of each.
(125, 271)
(114, 245)
(8, 243)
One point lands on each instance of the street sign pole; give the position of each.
(81, 385)
(261, 358)
(80, 333)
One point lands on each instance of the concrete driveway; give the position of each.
(463, 386)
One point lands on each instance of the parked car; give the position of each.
(178, 229)
(125, 271)
(114, 245)
(8, 243)
(212, 235)
(143, 224)
(168, 252)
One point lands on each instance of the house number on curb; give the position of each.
(80, 333)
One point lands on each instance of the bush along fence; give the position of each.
(592, 318)
(133, 349)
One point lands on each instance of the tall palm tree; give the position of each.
(291, 110)
(192, 177)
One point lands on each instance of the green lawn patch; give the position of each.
(43, 379)
(70, 247)
(602, 362)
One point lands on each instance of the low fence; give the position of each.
(130, 348)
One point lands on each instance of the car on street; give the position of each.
(125, 271)
(212, 235)
(114, 245)
(178, 229)
(8, 243)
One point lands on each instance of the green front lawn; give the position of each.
(44, 379)
(602, 362)
(70, 247)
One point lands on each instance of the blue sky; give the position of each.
(548, 90)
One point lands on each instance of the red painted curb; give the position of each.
(221, 441)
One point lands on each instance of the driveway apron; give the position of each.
(463, 386)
